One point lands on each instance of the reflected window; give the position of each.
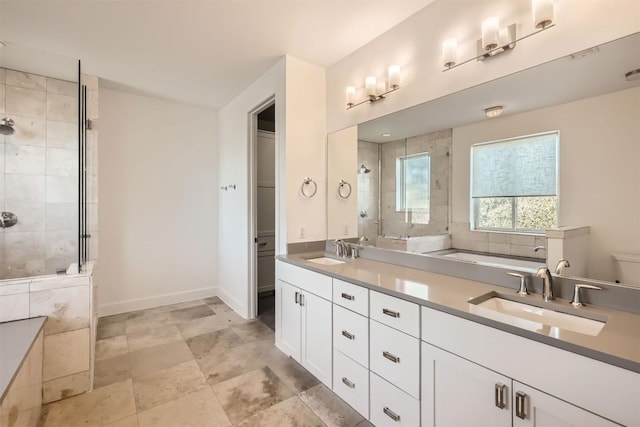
(514, 184)
(413, 183)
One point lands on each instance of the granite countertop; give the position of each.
(618, 343)
(16, 339)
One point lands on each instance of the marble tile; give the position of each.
(61, 189)
(102, 406)
(159, 357)
(61, 162)
(14, 307)
(91, 82)
(65, 387)
(62, 108)
(153, 337)
(217, 341)
(112, 370)
(332, 410)
(198, 409)
(25, 102)
(62, 135)
(20, 269)
(92, 189)
(365, 423)
(221, 366)
(92, 216)
(61, 244)
(56, 282)
(289, 413)
(253, 331)
(31, 216)
(247, 394)
(520, 250)
(162, 386)
(523, 240)
(130, 421)
(293, 374)
(14, 288)
(61, 216)
(62, 87)
(25, 188)
(221, 320)
(500, 248)
(2, 96)
(25, 80)
(29, 131)
(22, 246)
(93, 104)
(186, 314)
(67, 308)
(148, 321)
(111, 347)
(66, 353)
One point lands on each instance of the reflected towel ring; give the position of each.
(344, 194)
(306, 182)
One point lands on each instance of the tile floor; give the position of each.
(196, 364)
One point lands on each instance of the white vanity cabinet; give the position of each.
(303, 318)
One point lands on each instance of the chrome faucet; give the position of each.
(561, 265)
(362, 240)
(341, 248)
(539, 248)
(547, 283)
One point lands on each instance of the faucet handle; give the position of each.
(523, 285)
(577, 301)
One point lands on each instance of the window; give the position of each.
(514, 184)
(413, 182)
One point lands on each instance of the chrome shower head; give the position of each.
(364, 169)
(6, 126)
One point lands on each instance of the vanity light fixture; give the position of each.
(492, 112)
(386, 134)
(632, 75)
(371, 88)
(496, 40)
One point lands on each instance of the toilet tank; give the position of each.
(627, 268)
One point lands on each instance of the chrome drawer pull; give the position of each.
(348, 335)
(390, 312)
(348, 383)
(296, 297)
(395, 417)
(499, 395)
(520, 405)
(347, 296)
(394, 359)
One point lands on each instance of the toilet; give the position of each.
(627, 268)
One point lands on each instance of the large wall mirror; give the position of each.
(409, 172)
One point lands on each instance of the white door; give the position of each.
(316, 337)
(535, 408)
(458, 393)
(288, 322)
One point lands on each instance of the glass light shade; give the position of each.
(542, 13)
(370, 86)
(351, 95)
(490, 32)
(449, 52)
(394, 76)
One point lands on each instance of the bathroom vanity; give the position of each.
(409, 347)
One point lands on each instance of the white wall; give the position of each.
(415, 45)
(298, 88)
(599, 168)
(158, 202)
(342, 155)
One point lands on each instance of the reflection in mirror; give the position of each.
(595, 109)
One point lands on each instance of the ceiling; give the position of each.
(201, 53)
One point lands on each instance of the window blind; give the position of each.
(518, 167)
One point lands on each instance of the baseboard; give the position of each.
(156, 301)
(232, 302)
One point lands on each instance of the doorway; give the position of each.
(265, 214)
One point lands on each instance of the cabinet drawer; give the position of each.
(308, 280)
(351, 382)
(351, 296)
(395, 356)
(399, 314)
(390, 406)
(266, 243)
(351, 334)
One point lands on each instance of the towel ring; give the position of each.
(306, 182)
(344, 194)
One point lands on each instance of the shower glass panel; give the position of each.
(40, 154)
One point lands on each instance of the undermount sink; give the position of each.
(544, 317)
(325, 261)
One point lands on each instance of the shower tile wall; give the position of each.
(368, 190)
(394, 223)
(91, 82)
(39, 174)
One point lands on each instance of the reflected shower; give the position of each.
(6, 126)
(364, 169)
